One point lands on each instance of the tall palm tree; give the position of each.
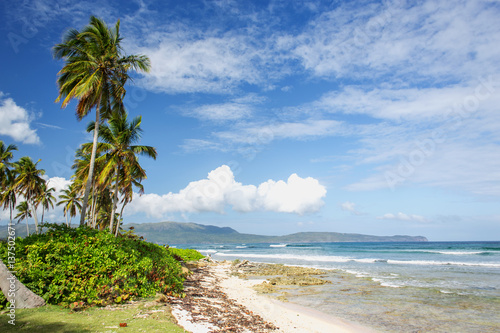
(5, 156)
(29, 183)
(94, 73)
(23, 214)
(118, 140)
(46, 198)
(8, 196)
(71, 201)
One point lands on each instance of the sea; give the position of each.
(391, 287)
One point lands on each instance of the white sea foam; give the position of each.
(340, 259)
(278, 245)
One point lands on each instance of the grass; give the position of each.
(142, 316)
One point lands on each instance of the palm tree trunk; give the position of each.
(33, 209)
(92, 162)
(27, 227)
(94, 215)
(121, 213)
(115, 199)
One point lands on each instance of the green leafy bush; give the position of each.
(186, 254)
(83, 266)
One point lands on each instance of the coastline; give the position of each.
(202, 312)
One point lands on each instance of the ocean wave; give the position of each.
(339, 259)
(450, 252)
(278, 245)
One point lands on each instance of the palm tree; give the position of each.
(9, 193)
(94, 73)
(71, 201)
(117, 142)
(46, 198)
(23, 214)
(29, 183)
(5, 157)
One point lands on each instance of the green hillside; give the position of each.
(193, 233)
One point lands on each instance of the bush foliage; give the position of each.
(186, 254)
(83, 266)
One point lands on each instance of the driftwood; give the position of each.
(16, 292)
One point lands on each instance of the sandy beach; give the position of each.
(217, 301)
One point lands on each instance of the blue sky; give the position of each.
(275, 117)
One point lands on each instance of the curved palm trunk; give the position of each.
(24, 298)
(91, 166)
(115, 199)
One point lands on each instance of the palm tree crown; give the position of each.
(29, 183)
(5, 156)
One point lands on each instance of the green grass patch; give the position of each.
(144, 316)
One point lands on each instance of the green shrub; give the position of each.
(83, 266)
(186, 254)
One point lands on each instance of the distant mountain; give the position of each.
(192, 233)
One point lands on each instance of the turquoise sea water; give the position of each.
(393, 287)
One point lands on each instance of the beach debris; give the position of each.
(206, 304)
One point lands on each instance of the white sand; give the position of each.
(290, 318)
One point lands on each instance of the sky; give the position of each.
(275, 117)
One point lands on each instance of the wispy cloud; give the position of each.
(350, 207)
(436, 40)
(403, 217)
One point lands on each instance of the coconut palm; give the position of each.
(5, 157)
(118, 140)
(71, 201)
(94, 73)
(29, 183)
(46, 198)
(8, 196)
(23, 213)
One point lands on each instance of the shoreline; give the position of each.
(212, 288)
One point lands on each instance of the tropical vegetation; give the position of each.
(83, 266)
(97, 263)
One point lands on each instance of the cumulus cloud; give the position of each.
(220, 190)
(403, 217)
(15, 122)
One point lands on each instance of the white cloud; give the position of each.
(226, 111)
(411, 103)
(197, 61)
(263, 134)
(15, 122)
(403, 217)
(350, 207)
(219, 190)
(441, 40)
